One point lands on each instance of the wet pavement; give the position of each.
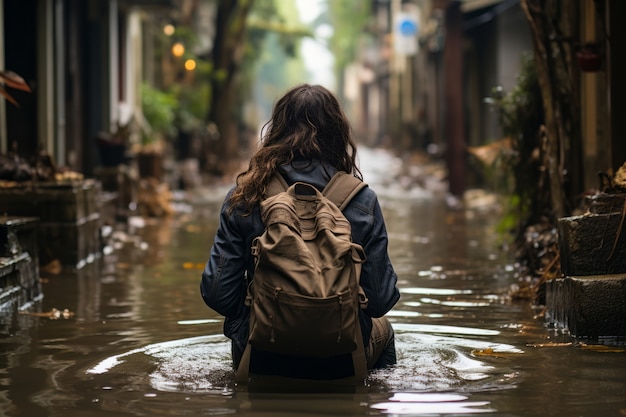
(140, 340)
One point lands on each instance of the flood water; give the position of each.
(142, 342)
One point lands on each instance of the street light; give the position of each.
(178, 49)
(190, 64)
(169, 29)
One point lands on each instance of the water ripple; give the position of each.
(429, 356)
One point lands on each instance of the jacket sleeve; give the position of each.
(223, 285)
(378, 278)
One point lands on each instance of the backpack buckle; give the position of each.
(254, 249)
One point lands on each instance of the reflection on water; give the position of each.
(142, 342)
(431, 404)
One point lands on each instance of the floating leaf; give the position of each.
(191, 265)
(492, 353)
(192, 228)
(550, 344)
(54, 267)
(53, 314)
(602, 348)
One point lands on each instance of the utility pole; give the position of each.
(454, 120)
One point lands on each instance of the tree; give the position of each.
(349, 19)
(554, 24)
(228, 54)
(241, 27)
(541, 117)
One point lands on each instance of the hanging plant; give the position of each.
(12, 80)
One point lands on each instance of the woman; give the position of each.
(307, 139)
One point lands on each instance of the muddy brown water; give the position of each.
(142, 342)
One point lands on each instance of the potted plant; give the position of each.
(113, 146)
(159, 112)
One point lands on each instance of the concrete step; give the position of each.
(593, 244)
(590, 307)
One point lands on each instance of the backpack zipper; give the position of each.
(277, 291)
(340, 318)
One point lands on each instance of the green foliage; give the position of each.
(263, 16)
(193, 103)
(279, 19)
(521, 116)
(159, 109)
(349, 19)
(521, 111)
(272, 60)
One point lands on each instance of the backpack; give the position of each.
(305, 296)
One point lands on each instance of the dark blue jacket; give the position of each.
(223, 285)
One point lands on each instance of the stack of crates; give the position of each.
(69, 218)
(19, 268)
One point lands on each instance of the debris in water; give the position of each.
(602, 348)
(54, 267)
(584, 346)
(53, 314)
(493, 353)
(549, 344)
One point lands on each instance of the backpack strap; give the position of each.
(243, 370)
(359, 360)
(340, 190)
(342, 187)
(276, 185)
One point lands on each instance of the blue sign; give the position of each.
(408, 27)
(406, 30)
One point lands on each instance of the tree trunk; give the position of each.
(554, 28)
(227, 56)
(455, 123)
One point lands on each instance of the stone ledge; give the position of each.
(592, 244)
(590, 307)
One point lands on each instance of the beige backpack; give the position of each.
(305, 296)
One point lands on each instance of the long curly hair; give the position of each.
(306, 123)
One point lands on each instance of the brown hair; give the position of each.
(307, 123)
